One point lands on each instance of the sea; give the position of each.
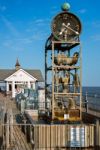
(92, 90)
(91, 96)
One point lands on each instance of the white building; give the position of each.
(13, 80)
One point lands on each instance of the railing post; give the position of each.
(7, 132)
(25, 126)
(97, 132)
(86, 102)
(11, 127)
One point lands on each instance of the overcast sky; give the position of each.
(26, 24)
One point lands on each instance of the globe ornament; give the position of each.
(65, 7)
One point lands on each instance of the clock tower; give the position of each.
(63, 68)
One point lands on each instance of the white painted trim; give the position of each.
(7, 86)
(13, 89)
(18, 71)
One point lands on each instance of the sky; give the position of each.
(26, 24)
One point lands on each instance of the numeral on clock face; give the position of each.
(77, 27)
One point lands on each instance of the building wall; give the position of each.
(19, 80)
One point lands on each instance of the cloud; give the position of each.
(36, 31)
(20, 44)
(25, 40)
(14, 44)
(96, 37)
(82, 11)
(38, 25)
(39, 36)
(3, 8)
(7, 43)
(54, 9)
(96, 24)
(17, 41)
(10, 26)
(41, 22)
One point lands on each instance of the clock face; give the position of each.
(66, 26)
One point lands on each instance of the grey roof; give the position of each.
(36, 74)
(5, 73)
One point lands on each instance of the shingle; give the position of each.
(36, 74)
(4, 73)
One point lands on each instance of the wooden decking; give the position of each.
(19, 141)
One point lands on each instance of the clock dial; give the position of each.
(66, 26)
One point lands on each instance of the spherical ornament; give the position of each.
(65, 7)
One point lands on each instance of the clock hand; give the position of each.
(62, 30)
(67, 26)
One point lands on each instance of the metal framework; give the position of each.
(70, 92)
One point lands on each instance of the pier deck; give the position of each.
(19, 141)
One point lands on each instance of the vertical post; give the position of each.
(29, 85)
(7, 87)
(80, 81)
(97, 132)
(3, 122)
(31, 136)
(86, 102)
(11, 126)
(25, 126)
(52, 80)
(45, 78)
(13, 89)
(33, 84)
(7, 131)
